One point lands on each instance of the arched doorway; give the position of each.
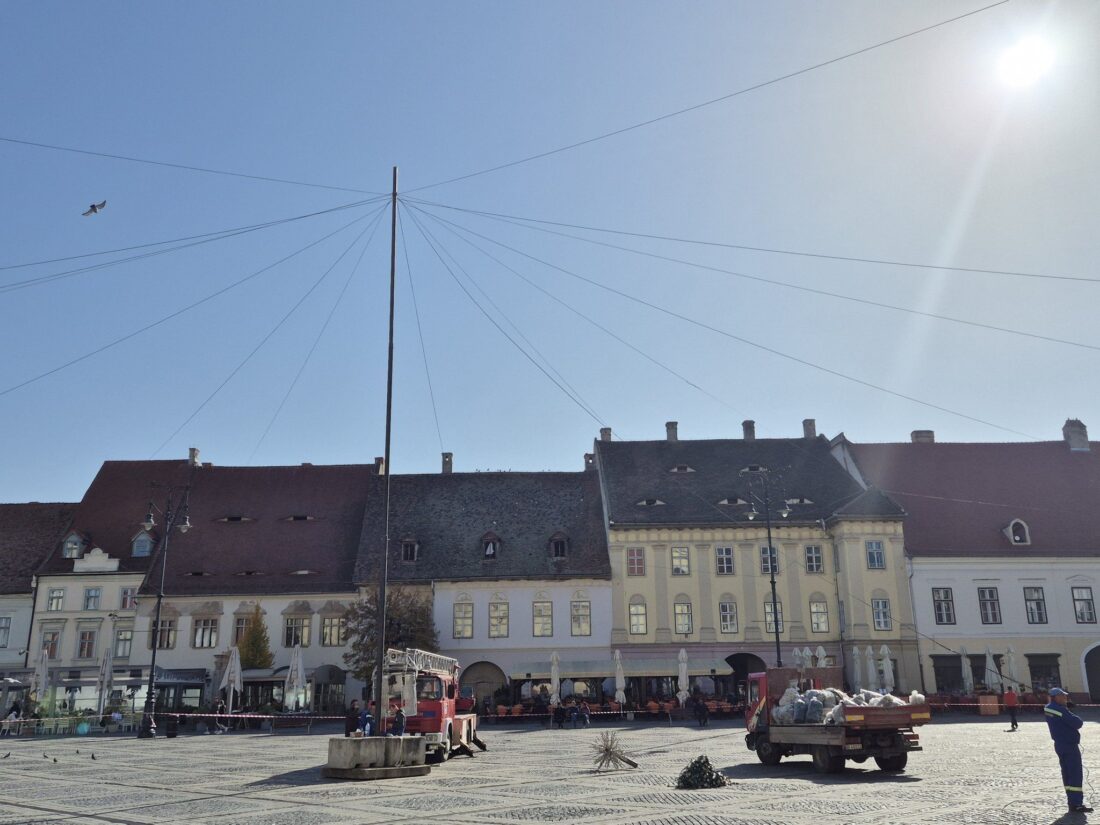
(743, 664)
(484, 678)
(328, 689)
(1092, 673)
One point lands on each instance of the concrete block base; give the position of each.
(376, 753)
(375, 773)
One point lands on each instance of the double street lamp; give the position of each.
(758, 476)
(178, 518)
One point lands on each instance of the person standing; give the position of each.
(1012, 701)
(220, 717)
(351, 721)
(1065, 730)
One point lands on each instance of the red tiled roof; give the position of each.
(28, 533)
(961, 497)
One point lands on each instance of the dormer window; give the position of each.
(733, 501)
(236, 519)
(73, 548)
(288, 518)
(142, 545)
(682, 468)
(197, 573)
(490, 545)
(799, 500)
(303, 573)
(249, 573)
(410, 549)
(559, 546)
(1018, 533)
(650, 502)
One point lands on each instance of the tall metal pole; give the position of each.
(381, 704)
(145, 729)
(773, 561)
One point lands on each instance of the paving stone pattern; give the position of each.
(971, 771)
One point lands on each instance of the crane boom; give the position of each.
(418, 660)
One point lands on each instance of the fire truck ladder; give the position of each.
(419, 660)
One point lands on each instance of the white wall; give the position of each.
(18, 608)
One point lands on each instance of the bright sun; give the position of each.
(1023, 64)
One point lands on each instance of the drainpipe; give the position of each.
(916, 636)
(839, 604)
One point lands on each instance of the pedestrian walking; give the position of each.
(1065, 730)
(220, 717)
(1012, 701)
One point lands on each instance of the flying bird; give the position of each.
(95, 207)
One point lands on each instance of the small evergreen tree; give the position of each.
(408, 624)
(700, 774)
(254, 644)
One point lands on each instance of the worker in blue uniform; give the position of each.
(1065, 730)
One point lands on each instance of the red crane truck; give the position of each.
(425, 685)
(883, 733)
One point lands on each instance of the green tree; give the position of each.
(408, 624)
(254, 644)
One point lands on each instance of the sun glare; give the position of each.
(1023, 64)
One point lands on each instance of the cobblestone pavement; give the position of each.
(969, 772)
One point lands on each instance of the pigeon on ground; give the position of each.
(95, 207)
(93, 756)
(6, 755)
(45, 757)
(55, 760)
(78, 751)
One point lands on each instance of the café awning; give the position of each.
(631, 667)
(567, 670)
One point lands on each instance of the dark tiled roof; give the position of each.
(871, 503)
(449, 514)
(960, 497)
(28, 533)
(268, 541)
(709, 472)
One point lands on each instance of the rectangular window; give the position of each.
(637, 619)
(127, 598)
(498, 620)
(296, 631)
(240, 627)
(681, 562)
(55, 600)
(558, 547)
(727, 616)
(880, 610)
(989, 605)
(819, 617)
(769, 560)
(1083, 606)
(943, 604)
(165, 634)
(682, 614)
(333, 631)
(876, 556)
(814, 561)
(463, 621)
(1045, 672)
(408, 550)
(204, 633)
(124, 640)
(51, 641)
(580, 614)
(1036, 605)
(542, 619)
(723, 561)
(770, 617)
(85, 646)
(5, 630)
(635, 561)
(91, 598)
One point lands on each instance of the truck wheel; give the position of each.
(892, 764)
(766, 752)
(826, 762)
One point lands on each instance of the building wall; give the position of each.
(18, 609)
(1062, 634)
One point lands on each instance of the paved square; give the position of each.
(969, 772)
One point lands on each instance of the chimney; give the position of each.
(670, 431)
(448, 463)
(193, 457)
(1076, 435)
(605, 433)
(749, 427)
(809, 428)
(923, 436)
(379, 465)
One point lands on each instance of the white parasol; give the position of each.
(872, 669)
(232, 679)
(682, 679)
(1010, 664)
(40, 680)
(555, 679)
(295, 678)
(796, 659)
(105, 681)
(807, 657)
(967, 672)
(821, 656)
(992, 675)
(620, 680)
(857, 670)
(887, 664)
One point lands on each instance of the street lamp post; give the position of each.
(754, 471)
(178, 518)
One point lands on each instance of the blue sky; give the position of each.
(916, 152)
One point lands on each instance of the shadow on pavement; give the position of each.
(805, 771)
(305, 776)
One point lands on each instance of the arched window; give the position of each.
(490, 545)
(819, 613)
(559, 545)
(1018, 532)
(73, 548)
(727, 613)
(142, 545)
(638, 623)
(681, 615)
